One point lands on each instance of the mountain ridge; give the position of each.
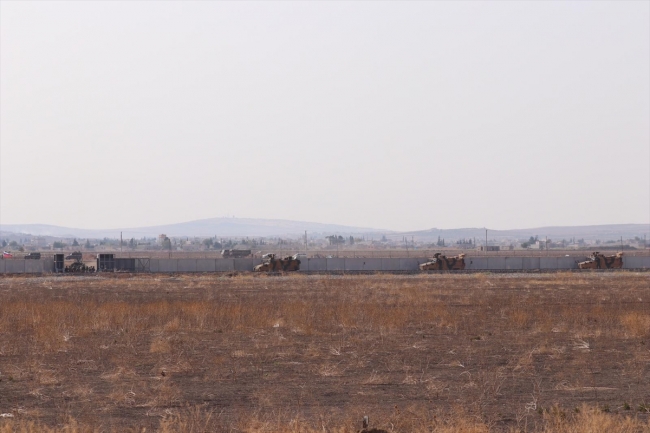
(258, 227)
(203, 227)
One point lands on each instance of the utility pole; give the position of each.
(120, 241)
(486, 242)
(621, 243)
(305, 243)
(546, 246)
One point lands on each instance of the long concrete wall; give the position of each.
(21, 266)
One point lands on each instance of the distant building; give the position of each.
(39, 241)
(161, 239)
(489, 248)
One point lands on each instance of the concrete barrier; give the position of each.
(15, 266)
(186, 265)
(206, 265)
(476, 263)
(335, 264)
(548, 262)
(243, 264)
(496, 263)
(514, 263)
(314, 265)
(409, 264)
(224, 265)
(33, 267)
(373, 264)
(20, 266)
(567, 262)
(389, 264)
(636, 262)
(529, 263)
(167, 265)
(365, 264)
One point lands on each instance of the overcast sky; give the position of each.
(390, 115)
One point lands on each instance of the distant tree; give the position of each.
(75, 243)
(132, 243)
(58, 244)
(21, 249)
(525, 245)
(4, 243)
(87, 244)
(351, 240)
(13, 244)
(208, 242)
(167, 244)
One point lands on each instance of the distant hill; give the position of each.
(221, 227)
(235, 227)
(602, 232)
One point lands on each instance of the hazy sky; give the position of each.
(391, 115)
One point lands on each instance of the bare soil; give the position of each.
(130, 351)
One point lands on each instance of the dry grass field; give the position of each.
(423, 353)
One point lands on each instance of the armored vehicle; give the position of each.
(440, 262)
(601, 261)
(74, 256)
(271, 264)
(33, 256)
(235, 254)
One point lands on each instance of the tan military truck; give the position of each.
(601, 261)
(271, 264)
(440, 262)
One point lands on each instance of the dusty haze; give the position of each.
(400, 116)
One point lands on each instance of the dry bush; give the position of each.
(636, 323)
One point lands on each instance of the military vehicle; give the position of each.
(235, 254)
(440, 262)
(271, 264)
(77, 266)
(74, 256)
(601, 261)
(33, 256)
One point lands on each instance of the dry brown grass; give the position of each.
(437, 353)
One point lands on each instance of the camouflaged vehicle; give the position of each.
(441, 262)
(271, 264)
(601, 261)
